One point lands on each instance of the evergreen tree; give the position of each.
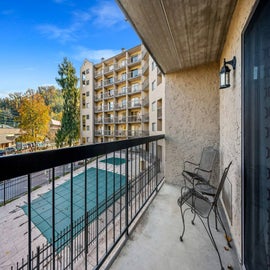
(70, 123)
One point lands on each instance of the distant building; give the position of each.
(8, 136)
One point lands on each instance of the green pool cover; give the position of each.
(41, 208)
(116, 160)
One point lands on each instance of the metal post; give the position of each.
(4, 192)
(85, 215)
(38, 257)
(29, 222)
(71, 214)
(53, 215)
(126, 192)
(156, 167)
(97, 240)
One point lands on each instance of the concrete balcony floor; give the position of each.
(154, 244)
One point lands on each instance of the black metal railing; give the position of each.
(90, 210)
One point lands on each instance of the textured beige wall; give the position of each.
(192, 116)
(230, 115)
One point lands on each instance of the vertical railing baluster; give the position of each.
(131, 182)
(4, 192)
(106, 198)
(126, 195)
(156, 165)
(85, 215)
(71, 214)
(38, 258)
(121, 193)
(135, 179)
(53, 216)
(97, 238)
(113, 197)
(29, 222)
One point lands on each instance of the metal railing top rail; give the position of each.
(22, 164)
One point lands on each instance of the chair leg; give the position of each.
(213, 242)
(223, 227)
(183, 221)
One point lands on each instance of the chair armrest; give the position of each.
(190, 163)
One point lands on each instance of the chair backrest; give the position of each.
(221, 184)
(207, 158)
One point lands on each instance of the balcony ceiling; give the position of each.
(180, 34)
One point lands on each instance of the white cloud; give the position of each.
(106, 14)
(94, 55)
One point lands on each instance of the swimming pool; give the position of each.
(41, 208)
(114, 160)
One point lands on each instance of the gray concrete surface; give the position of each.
(154, 244)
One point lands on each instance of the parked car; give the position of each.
(10, 150)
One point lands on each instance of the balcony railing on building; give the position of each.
(99, 120)
(120, 133)
(98, 97)
(119, 66)
(120, 106)
(144, 52)
(108, 107)
(138, 133)
(108, 82)
(109, 94)
(98, 85)
(120, 79)
(99, 207)
(134, 104)
(99, 132)
(145, 68)
(108, 69)
(108, 120)
(120, 119)
(134, 118)
(134, 90)
(145, 101)
(98, 73)
(133, 60)
(98, 108)
(134, 75)
(121, 92)
(145, 84)
(108, 132)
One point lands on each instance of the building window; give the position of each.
(87, 93)
(87, 116)
(154, 126)
(135, 87)
(123, 76)
(153, 65)
(134, 58)
(134, 73)
(88, 128)
(87, 71)
(153, 85)
(87, 82)
(111, 67)
(154, 106)
(123, 89)
(123, 63)
(88, 139)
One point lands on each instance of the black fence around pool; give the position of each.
(84, 227)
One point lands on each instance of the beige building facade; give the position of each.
(121, 97)
(190, 45)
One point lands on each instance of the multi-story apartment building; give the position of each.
(121, 97)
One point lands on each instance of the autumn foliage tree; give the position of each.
(34, 118)
(70, 125)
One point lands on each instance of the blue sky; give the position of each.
(37, 35)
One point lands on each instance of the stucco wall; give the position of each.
(230, 115)
(192, 116)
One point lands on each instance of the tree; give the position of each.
(70, 124)
(34, 118)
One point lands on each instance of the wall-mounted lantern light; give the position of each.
(225, 73)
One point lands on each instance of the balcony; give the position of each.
(108, 82)
(98, 73)
(98, 85)
(134, 119)
(134, 75)
(108, 107)
(120, 106)
(134, 104)
(134, 90)
(98, 108)
(121, 92)
(99, 133)
(109, 133)
(120, 119)
(120, 133)
(145, 85)
(145, 68)
(98, 97)
(108, 94)
(133, 60)
(145, 102)
(108, 120)
(98, 121)
(98, 221)
(145, 118)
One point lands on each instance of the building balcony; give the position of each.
(108, 70)
(134, 90)
(83, 228)
(120, 106)
(120, 119)
(120, 66)
(134, 119)
(98, 121)
(120, 133)
(108, 82)
(145, 118)
(108, 120)
(145, 102)
(98, 73)
(98, 108)
(99, 132)
(108, 95)
(98, 97)
(98, 85)
(145, 85)
(120, 80)
(133, 61)
(108, 107)
(121, 92)
(134, 104)
(145, 68)
(109, 133)
(132, 75)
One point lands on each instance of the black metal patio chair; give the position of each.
(200, 173)
(202, 206)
